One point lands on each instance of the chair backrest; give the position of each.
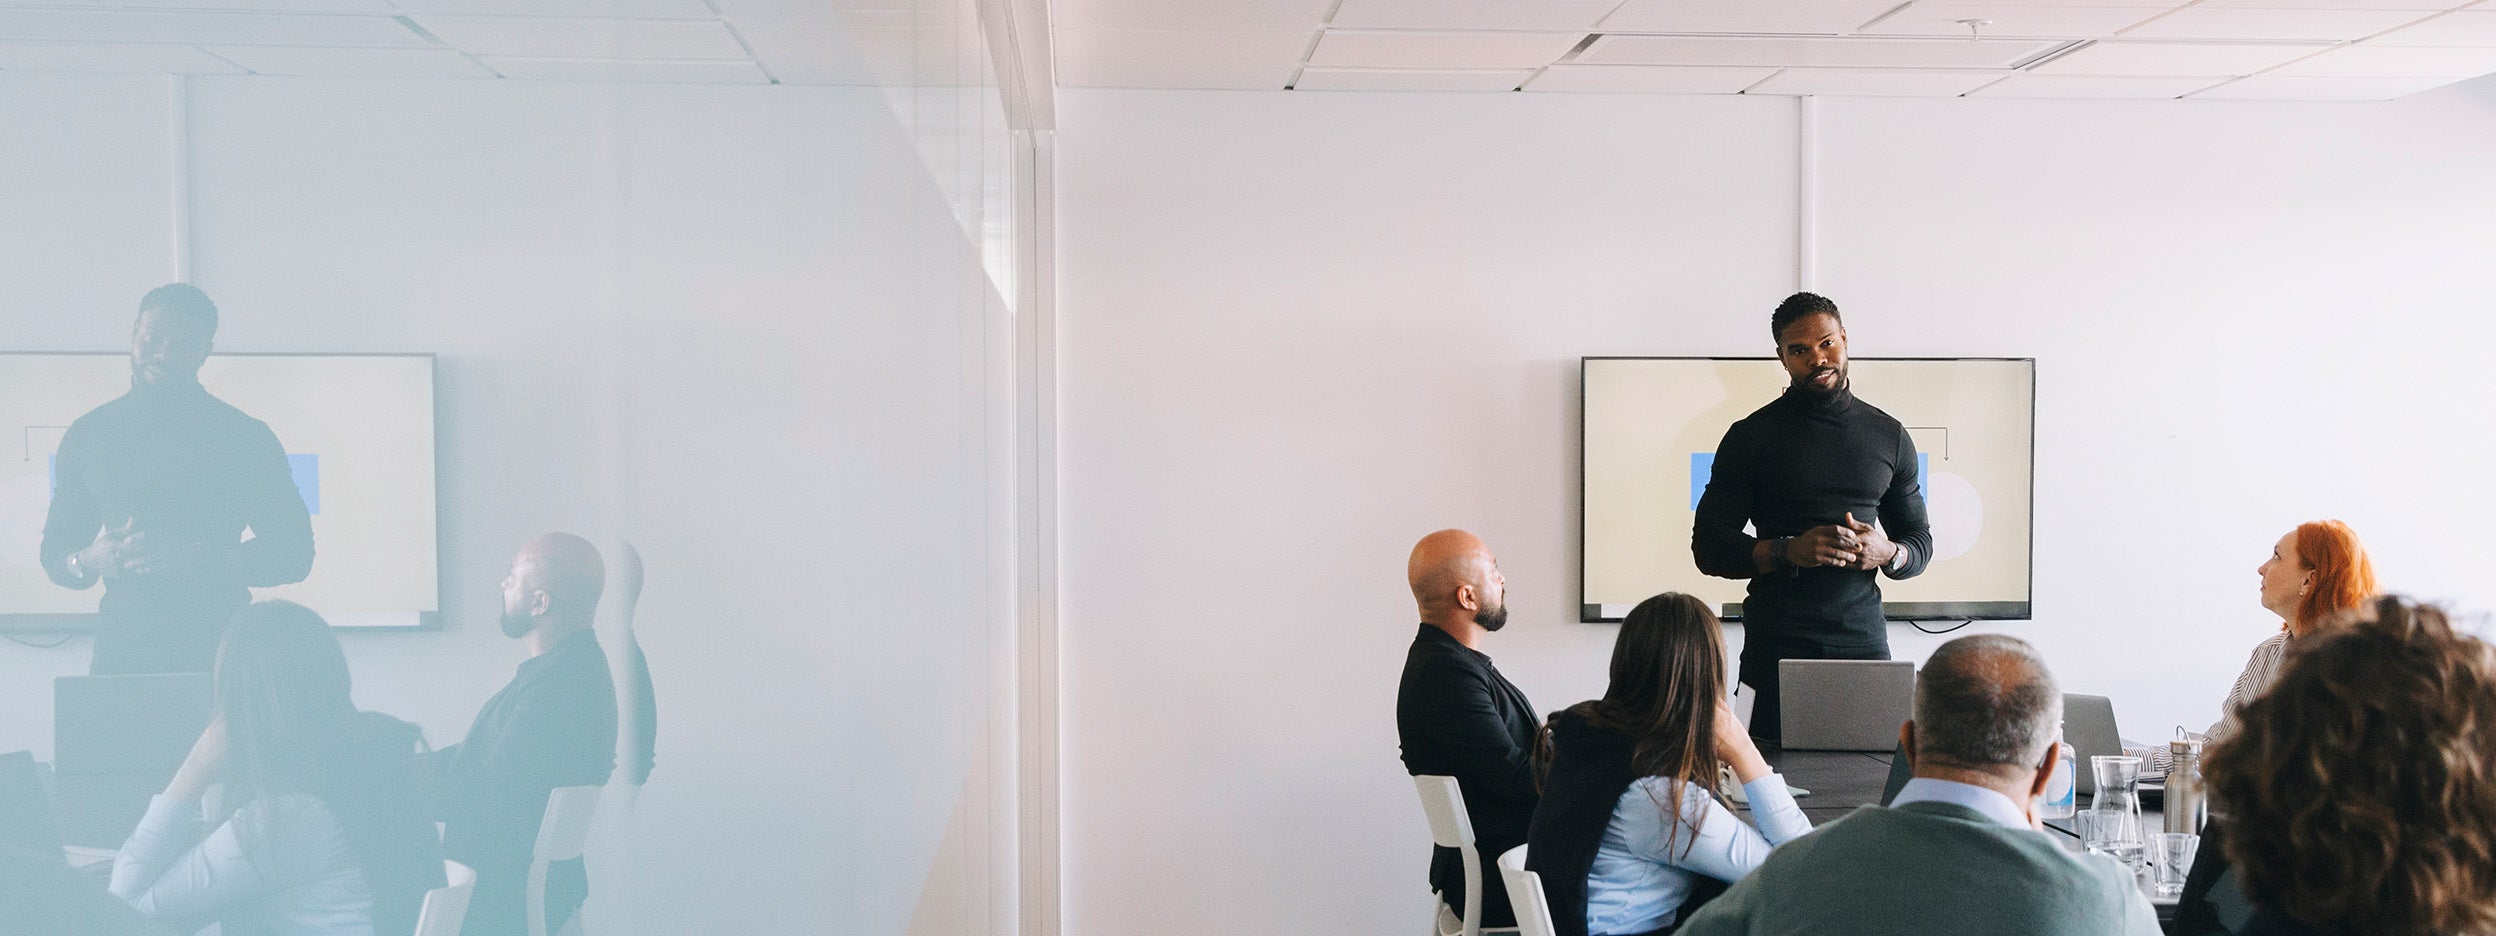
(446, 907)
(1444, 803)
(565, 832)
(1525, 894)
(562, 836)
(1450, 827)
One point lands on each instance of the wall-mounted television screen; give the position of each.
(358, 430)
(1650, 426)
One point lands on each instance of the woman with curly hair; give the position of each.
(2316, 571)
(2361, 791)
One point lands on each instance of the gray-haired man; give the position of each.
(1960, 849)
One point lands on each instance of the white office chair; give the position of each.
(446, 907)
(563, 836)
(1525, 894)
(1452, 827)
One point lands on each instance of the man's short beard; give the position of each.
(1805, 384)
(1492, 619)
(517, 625)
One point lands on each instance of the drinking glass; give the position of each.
(2173, 853)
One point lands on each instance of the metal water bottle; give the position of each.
(2187, 804)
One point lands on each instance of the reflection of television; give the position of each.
(359, 435)
(1649, 429)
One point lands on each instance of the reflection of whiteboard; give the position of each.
(1649, 432)
(358, 431)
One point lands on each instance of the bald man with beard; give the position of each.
(553, 726)
(1455, 715)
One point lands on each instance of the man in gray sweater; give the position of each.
(1960, 849)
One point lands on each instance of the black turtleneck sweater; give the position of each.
(1802, 461)
(176, 464)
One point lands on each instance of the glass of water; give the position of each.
(2112, 832)
(2172, 853)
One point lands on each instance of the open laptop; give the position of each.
(117, 740)
(1844, 705)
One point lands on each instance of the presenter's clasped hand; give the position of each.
(1824, 546)
(111, 553)
(1872, 548)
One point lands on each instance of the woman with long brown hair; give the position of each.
(1627, 826)
(2316, 571)
(324, 833)
(2360, 793)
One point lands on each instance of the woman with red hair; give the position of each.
(2316, 571)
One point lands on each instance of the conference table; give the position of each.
(1843, 781)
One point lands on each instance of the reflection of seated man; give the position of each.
(552, 726)
(151, 495)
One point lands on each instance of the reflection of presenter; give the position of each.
(151, 495)
(1812, 472)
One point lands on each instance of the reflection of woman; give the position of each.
(325, 833)
(2360, 793)
(2319, 569)
(1626, 826)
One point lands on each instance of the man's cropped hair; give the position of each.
(1797, 307)
(181, 299)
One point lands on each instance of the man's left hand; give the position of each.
(1874, 549)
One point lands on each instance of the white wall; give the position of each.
(739, 325)
(1301, 330)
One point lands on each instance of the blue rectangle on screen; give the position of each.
(1923, 473)
(1702, 464)
(307, 472)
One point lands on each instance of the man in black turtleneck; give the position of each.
(152, 493)
(1828, 483)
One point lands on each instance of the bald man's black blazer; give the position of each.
(1455, 715)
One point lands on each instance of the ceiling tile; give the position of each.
(1443, 49)
(567, 38)
(2473, 27)
(382, 7)
(144, 26)
(2092, 86)
(1799, 17)
(1214, 77)
(373, 63)
(604, 9)
(2177, 59)
(1877, 82)
(2026, 22)
(1811, 51)
(2421, 5)
(1186, 15)
(1411, 79)
(2271, 25)
(1548, 15)
(111, 57)
(2267, 88)
(647, 72)
(1648, 79)
(2373, 61)
(1160, 47)
(825, 55)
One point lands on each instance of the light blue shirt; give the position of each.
(1643, 870)
(1991, 803)
(275, 868)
